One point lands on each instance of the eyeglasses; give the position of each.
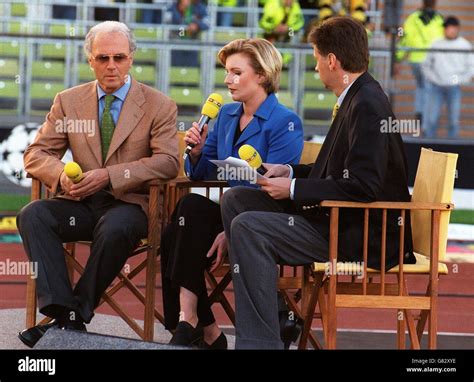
(104, 59)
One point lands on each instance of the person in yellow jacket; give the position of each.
(281, 19)
(354, 8)
(226, 19)
(420, 30)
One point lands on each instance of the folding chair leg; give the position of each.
(310, 308)
(401, 343)
(30, 302)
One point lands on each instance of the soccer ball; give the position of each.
(11, 153)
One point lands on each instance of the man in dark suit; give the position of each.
(359, 161)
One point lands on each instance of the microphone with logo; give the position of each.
(73, 171)
(252, 157)
(210, 109)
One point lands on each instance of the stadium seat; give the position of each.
(285, 98)
(53, 51)
(10, 49)
(85, 73)
(19, 10)
(8, 68)
(184, 76)
(186, 96)
(319, 100)
(312, 80)
(9, 94)
(147, 33)
(145, 74)
(146, 56)
(51, 70)
(228, 36)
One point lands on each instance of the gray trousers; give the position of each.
(261, 234)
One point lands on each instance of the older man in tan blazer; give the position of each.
(122, 133)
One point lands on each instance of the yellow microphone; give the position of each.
(252, 157)
(73, 171)
(210, 109)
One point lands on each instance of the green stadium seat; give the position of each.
(186, 96)
(220, 77)
(312, 80)
(45, 90)
(8, 68)
(9, 89)
(184, 76)
(19, 10)
(285, 98)
(52, 70)
(17, 27)
(9, 97)
(145, 74)
(146, 55)
(10, 49)
(147, 33)
(284, 80)
(228, 36)
(319, 100)
(85, 73)
(53, 51)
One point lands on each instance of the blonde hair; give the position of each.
(264, 58)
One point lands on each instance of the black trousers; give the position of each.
(195, 223)
(113, 226)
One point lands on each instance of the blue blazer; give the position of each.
(275, 132)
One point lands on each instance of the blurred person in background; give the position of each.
(445, 73)
(192, 18)
(420, 29)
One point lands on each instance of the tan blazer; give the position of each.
(144, 145)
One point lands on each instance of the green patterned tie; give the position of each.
(107, 126)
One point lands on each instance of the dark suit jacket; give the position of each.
(358, 162)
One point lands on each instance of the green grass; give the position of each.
(462, 217)
(13, 203)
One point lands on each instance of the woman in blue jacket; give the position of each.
(194, 240)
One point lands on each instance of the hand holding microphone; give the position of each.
(209, 111)
(71, 175)
(73, 172)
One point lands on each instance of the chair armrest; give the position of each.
(388, 205)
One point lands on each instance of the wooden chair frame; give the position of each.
(332, 294)
(151, 245)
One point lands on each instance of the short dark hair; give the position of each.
(451, 20)
(346, 38)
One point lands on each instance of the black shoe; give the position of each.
(74, 325)
(65, 321)
(32, 335)
(186, 335)
(220, 343)
(290, 330)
